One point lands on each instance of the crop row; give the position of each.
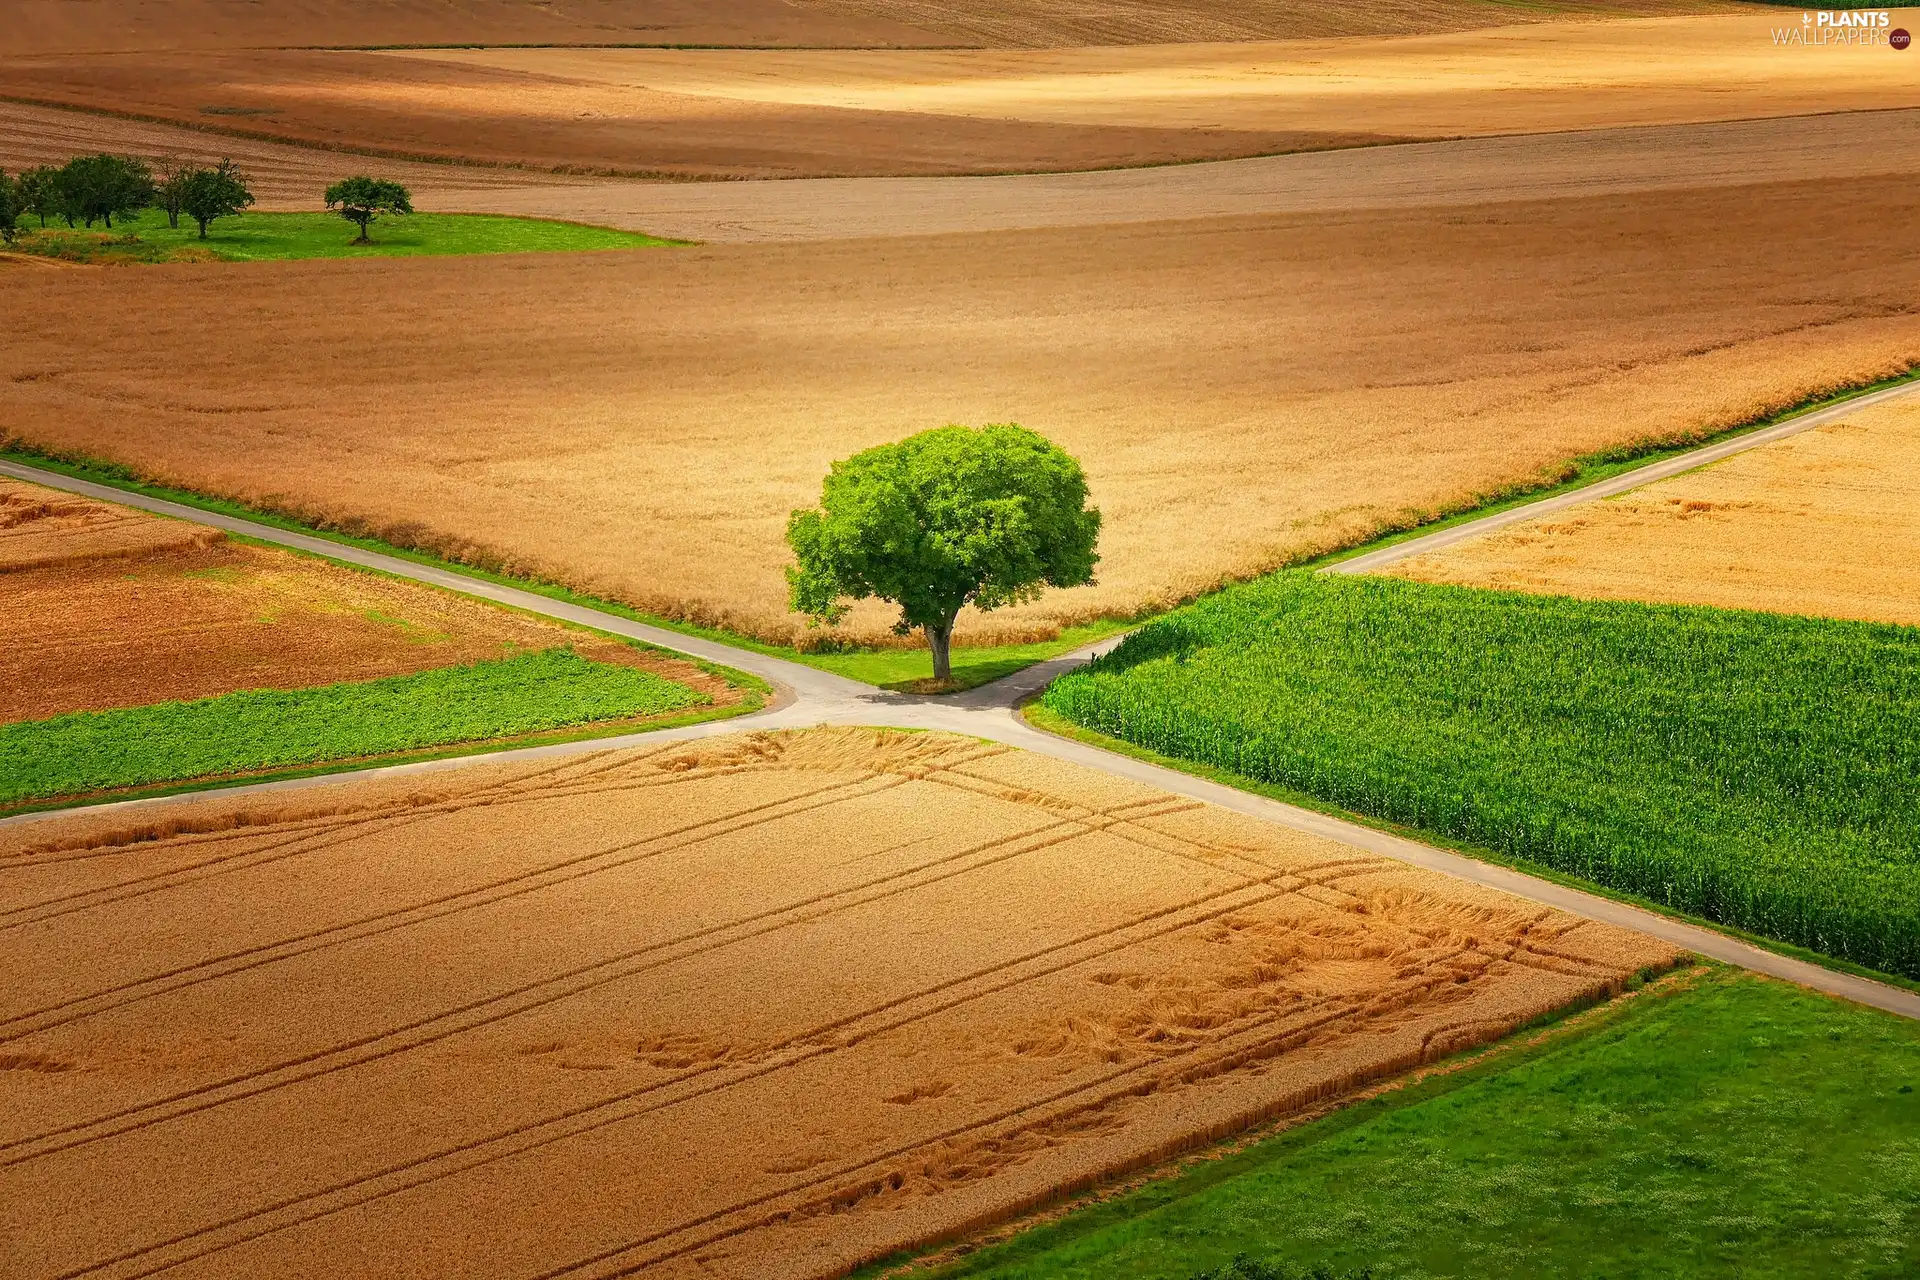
(1754, 769)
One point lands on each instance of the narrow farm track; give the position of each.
(810, 697)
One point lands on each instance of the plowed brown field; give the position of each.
(1242, 392)
(1821, 523)
(140, 26)
(760, 1006)
(102, 606)
(805, 113)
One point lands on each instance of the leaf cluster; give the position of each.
(943, 519)
(361, 199)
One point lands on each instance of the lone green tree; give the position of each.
(940, 520)
(219, 192)
(361, 200)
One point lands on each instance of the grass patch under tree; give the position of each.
(237, 733)
(1751, 769)
(1716, 1126)
(254, 237)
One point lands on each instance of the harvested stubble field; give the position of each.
(102, 606)
(1242, 391)
(1822, 523)
(807, 113)
(758, 1006)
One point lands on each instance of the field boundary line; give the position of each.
(1458, 866)
(1706, 455)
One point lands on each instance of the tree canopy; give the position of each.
(100, 187)
(40, 192)
(940, 520)
(219, 192)
(362, 199)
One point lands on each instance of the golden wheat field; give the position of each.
(1242, 392)
(627, 1014)
(103, 606)
(816, 112)
(1820, 523)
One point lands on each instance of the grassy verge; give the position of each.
(1751, 769)
(254, 237)
(263, 730)
(1712, 1125)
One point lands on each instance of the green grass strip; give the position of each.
(269, 729)
(1713, 1127)
(256, 237)
(1750, 769)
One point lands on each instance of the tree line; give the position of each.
(100, 188)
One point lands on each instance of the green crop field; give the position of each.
(1716, 1126)
(268, 729)
(1749, 768)
(259, 236)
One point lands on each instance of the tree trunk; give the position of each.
(940, 639)
(203, 226)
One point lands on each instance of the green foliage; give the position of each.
(12, 206)
(209, 194)
(1749, 768)
(39, 190)
(941, 520)
(1727, 1128)
(362, 199)
(100, 188)
(264, 729)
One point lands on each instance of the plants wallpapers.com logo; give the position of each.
(1843, 29)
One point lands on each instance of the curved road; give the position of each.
(811, 697)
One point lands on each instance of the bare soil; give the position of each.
(760, 1006)
(786, 113)
(414, 106)
(102, 606)
(1821, 523)
(1242, 392)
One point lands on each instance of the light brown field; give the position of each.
(142, 26)
(1514, 79)
(800, 113)
(761, 1006)
(280, 175)
(1242, 392)
(1820, 523)
(102, 606)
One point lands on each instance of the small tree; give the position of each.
(104, 186)
(10, 209)
(219, 192)
(361, 200)
(941, 520)
(170, 177)
(40, 192)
